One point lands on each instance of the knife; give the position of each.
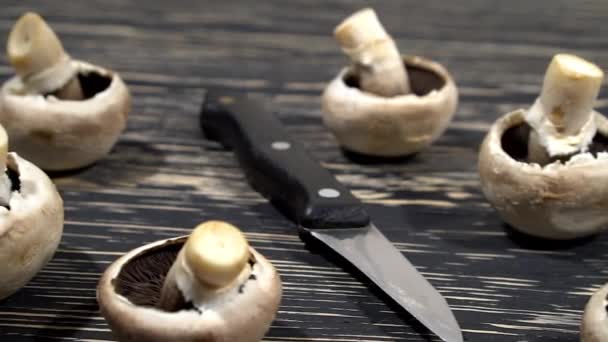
(280, 169)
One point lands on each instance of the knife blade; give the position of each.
(280, 169)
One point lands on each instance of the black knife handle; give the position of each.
(277, 166)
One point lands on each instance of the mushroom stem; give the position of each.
(71, 91)
(213, 257)
(39, 59)
(537, 153)
(171, 298)
(562, 118)
(374, 54)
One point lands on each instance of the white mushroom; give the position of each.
(385, 105)
(594, 326)
(59, 113)
(31, 220)
(209, 287)
(563, 199)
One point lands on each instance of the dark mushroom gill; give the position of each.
(141, 279)
(514, 142)
(422, 80)
(13, 176)
(91, 83)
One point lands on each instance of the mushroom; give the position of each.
(58, 112)
(543, 168)
(31, 219)
(594, 326)
(385, 104)
(209, 287)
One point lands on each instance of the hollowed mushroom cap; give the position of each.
(594, 326)
(243, 314)
(60, 134)
(31, 229)
(558, 201)
(391, 126)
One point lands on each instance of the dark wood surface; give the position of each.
(162, 178)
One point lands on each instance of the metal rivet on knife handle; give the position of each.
(329, 193)
(281, 145)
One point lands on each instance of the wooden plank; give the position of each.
(162, 178)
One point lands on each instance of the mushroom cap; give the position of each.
(391, 126)
(594, 325)
(557, 201)
(244, 316)
(31, 230)
(60, 134)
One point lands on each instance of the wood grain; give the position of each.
(162, 178)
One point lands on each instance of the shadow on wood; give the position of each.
(285, 330)
(532, 242)
(365, 159)
(128, 163)
(74, 309)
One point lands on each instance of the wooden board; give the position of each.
(162, 178)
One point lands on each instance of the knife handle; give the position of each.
(277, 166)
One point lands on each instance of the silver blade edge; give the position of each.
(376, 257)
